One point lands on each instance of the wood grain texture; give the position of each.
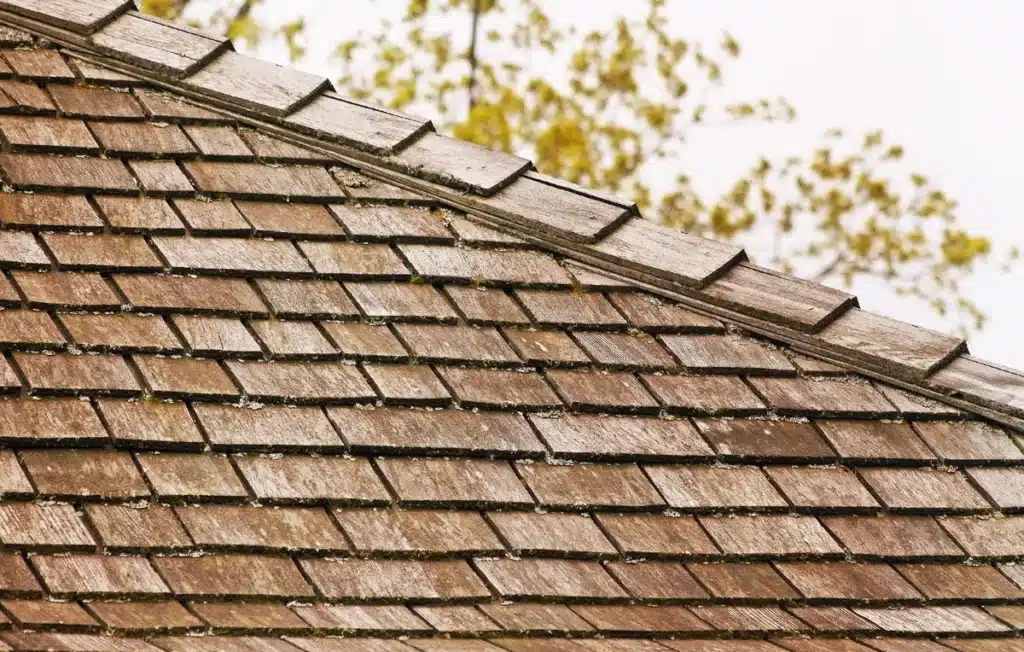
(79, 16)
(779, 298)
(356, 125)
(257, 85)
(982, 381)
(533, 204)
(891, 344)
(667, 253)
(158, 45)
(460, 164)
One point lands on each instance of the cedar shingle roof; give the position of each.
(286, 372)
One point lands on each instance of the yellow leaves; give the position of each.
(872, 139)
(730, 45)
(244, 28)
(960, 249)
(166, 9)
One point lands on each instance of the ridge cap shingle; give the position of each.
(505, 191)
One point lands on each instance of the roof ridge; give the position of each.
(506, 192)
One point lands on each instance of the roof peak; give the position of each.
(504, 191)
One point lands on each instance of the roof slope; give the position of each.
(258, 399)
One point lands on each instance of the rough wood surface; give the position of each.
(460, 164)
(79, 16)
(777, 297)
(537, 205)
(982, 381)
(667, 253)
(890, 343)
(158, 45)
(356, 125)
(257, 85)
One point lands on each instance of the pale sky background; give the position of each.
(939, 76)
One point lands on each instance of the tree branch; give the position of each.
(471, 84)
(827, 270)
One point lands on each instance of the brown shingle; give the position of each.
(821, 487)
(51, 211)
(295, 381)
(456, 343)
(754, 619)
(968, 441)
(150, 423)
(39, 63)
(99, 575)
(419, 531)
(79, 289)
(470, 232)
(932, 619)
(598, 390)
(357, 618)
(33, 524)
(320, 479)
(248, 615)
(139, 214)
(50, 421)
(310, 298)
(923, 489)
(128, 138)
(407, 384)
(1004, 487)
(590, 485)
(161, 177)
(641, 618)
(231, 255)
(216, 335)
(27, 95)
(212, 217)
(499, 388)
(756, 438)
(93, 102)
(892, 536)
(401, 301)
(454, 481)
(711, 487)
(653, 314)
(267, 427)
(535, 617)
(173, 108)
(365, 340)
(711, 394)
(104, 474)
(654, 580)
(823, 397)
(549, 578)
(180, 475)
(736, 580)
(726, 354)
(18, 249)
(875, 440)
(509, 267)
(42, 613)
(588, 436)
(38, 133)
(562, 308)
(988, 537)
(483, 306)
(261, 527)
(144, 615)
(66, 373)
(277, 218)
(274, 149)
(15, 576)
(456, 618)
(233, 576)
(138, 528)
(369, 222)
(549, 347)
(121, 332)
(350, 260)
(223, 295)
(12, 479)
(256, 180)
(216, 141)
(960, 582)
(556, 534)
(847, 581)
(394, 579)
(429, 431)
(625, 350)
(30, 327)
(8, 378)
(184, 377)
(288, 339)
(102, 252)
(775, 535)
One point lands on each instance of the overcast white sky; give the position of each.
(940, 76)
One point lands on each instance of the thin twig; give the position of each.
(471, 85)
